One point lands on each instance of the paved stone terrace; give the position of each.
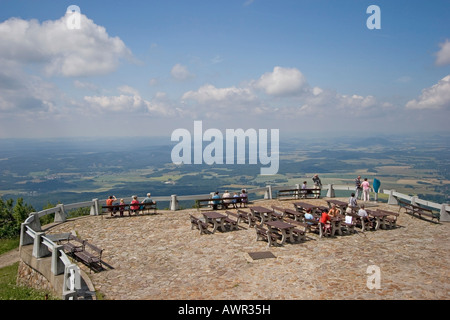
(160, 257)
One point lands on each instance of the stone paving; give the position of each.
(160, 257)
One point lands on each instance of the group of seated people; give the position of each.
(241, 199)
(135, 205)
(327, 214)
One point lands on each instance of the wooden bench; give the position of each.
(416, 210)
(222, 202)
(248, 217)
(230, 222)
(270, 237)
(121, 208)
(73, 244)
(198, 224)
(298, 193)
(91, 255)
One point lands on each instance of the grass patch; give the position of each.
(8, 244)
(10, 291)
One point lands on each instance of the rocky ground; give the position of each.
(160, 257)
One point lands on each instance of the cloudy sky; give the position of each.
(146, 68)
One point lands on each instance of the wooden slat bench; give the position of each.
(287, 194)
(418, 211)
(121, 208)
(91, 255)
(198, 224)
(73, 244)
(270, 237)
(248, 217)
(222, 202)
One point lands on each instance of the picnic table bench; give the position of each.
(267, 235)
(248, 217)
(390, 219)
(286, 194)
(416, 210)
(224, 203)
(199, 224)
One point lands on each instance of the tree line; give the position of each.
(12, 214)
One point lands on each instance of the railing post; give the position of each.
(72, 282)
(174, 203)
(392, 200)
(57, 264)
(94, 207)
(330, 192)
(444, 215)
(39, 249)
(268, 193)
(25, 238)
(35, 223)
(60, 215)
(413, 200)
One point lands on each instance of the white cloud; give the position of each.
(433, 98)
(59, 50)
(443, 55)
(211, 94)
(131, 101)
(281, 81)
(180, 72)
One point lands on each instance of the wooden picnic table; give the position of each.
(379, 218)
(217, 219)
(285, 228)
(303, 206)
(342, 205)
(336, 225)
(263, 213)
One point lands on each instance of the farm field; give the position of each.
(42, 171)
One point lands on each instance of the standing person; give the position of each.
(366, 188)
(358, 189)
(304, 187)
(317, 184)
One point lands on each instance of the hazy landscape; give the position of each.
(72, 170)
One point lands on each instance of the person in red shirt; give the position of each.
(325, 221)
(110, 202)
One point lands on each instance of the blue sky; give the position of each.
(146, 68)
